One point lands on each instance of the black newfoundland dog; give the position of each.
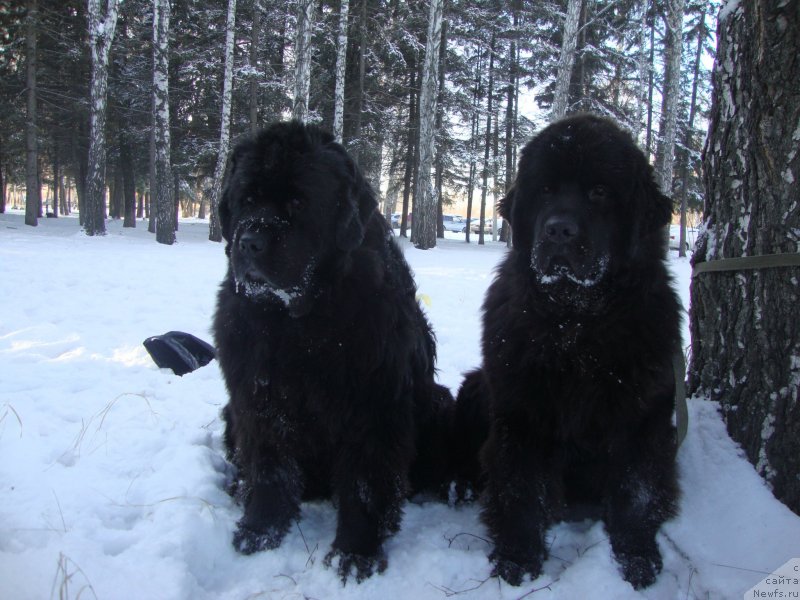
(579, 330)
(327, 357)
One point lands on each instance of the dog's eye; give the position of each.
(599, 193)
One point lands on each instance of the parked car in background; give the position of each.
(397, 217)
(455, 223)
(475, 226)
(675, 237)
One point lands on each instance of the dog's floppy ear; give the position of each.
(355, 208)
(506, 204)
(659, 206)
(224, 201)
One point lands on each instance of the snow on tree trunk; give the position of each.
(566, 60)
(424, 230)
(302, 51)
(215, 230)
(672, 92)
(745, 330)
(32, 189)
(163, 194)
(341, 63)
(101, 34)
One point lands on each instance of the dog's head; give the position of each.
(585, 206)
(294, 203)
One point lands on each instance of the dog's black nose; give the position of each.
(251, 243)
(561, 229)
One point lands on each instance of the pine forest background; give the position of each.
(185, 78)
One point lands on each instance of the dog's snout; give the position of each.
(252, 243)
(561, 229)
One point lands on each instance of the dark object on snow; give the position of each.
(327, 357)
(179, 351)
(580, 328)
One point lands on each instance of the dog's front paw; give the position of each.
(513, 570)
(250, 541)
(360, 565)
(640, 569)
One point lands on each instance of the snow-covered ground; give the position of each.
(111, 470)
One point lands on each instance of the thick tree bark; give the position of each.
(32, 188)
(341, 64)
(215, 228)
(102, 26)
(440, 148)
(424, 233)
(745, 331)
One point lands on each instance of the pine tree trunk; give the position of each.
(567, 59)
(302, 49)
(672, 90)
(32, 189)
(2, 181)
(56, 177)
(341, 64)
(473, 144)
(163, 190)
(410, 147)
(101, 34)
(128, 182)
(215, 229)
(683, 154)
(424, 196)
(255, 42)
(745, 330)
(488, 144)
(644, 67)
(440, 149)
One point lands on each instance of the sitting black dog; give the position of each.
(327, 357)
(579, 330)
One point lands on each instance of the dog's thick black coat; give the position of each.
(327, 357)
(579, 330)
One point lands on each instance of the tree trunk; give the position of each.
(56, 177)
(255, 41)
(32, 189)
(162, 193)
(2, 182)
(745, 331)
(302, 50)
(101, 34)
(644, 67)
(128, 182)
(650, 88)
(215, 229)
(440, 146)
(488, 144)
(341, 63)
(473, 143)
(513, 83)
(424, 196)
(688, 134)
(357, 143)
(410, 148)
(566, 60)
(672, 91)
